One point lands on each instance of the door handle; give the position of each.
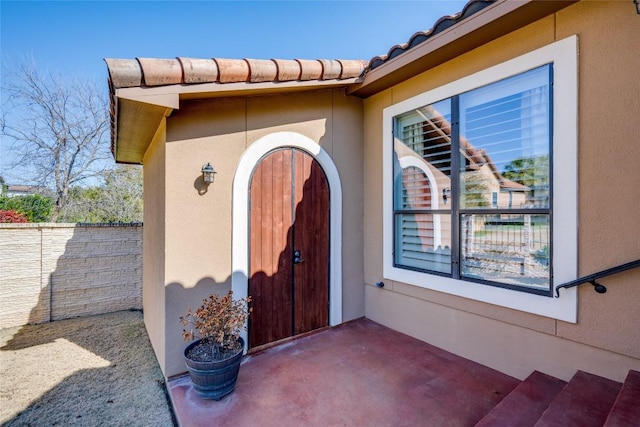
(297, 257)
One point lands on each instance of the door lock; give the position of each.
(297, 257)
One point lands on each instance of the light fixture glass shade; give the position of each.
(207, 173)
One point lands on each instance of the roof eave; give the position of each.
(486, 25)
(139, 111)
(135, 128)
(161, 95)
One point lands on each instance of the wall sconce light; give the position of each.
(446, 194)
(208, 172)
(637, 3)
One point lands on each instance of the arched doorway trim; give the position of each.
(411, 161)
(240, 221)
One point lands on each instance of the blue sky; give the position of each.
(72, 37)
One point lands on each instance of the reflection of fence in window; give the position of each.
(506, 248)
(512, 236)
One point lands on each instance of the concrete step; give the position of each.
(626, 409)
(584, 402)
(526, 403)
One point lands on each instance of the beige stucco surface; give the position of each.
(347, 156)
(609, 202)
(196, 252)
(609, 199)
(373, 186)
(153, 244)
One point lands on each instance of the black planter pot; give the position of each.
(214, 380)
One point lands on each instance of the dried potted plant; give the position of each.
(213, 358)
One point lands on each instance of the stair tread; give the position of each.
(524, 405)
(626, 409)
(585, 401)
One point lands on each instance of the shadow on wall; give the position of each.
(179, 298)
(200, 186)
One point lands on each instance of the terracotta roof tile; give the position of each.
(330, 69)
(232, 70)
(199, 70)
(351, 68)
(262, 70)
(288, 69)
(421, 36)
(159, 72)
(310, 69)
(124, 72)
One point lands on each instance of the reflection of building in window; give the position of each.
(481, 182)
(416, 195)
(421, 243)
(481, 151)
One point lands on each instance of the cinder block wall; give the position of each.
(59, 271)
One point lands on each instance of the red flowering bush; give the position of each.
(11, 216)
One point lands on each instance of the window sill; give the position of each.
(563, 308)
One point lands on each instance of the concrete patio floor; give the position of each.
(357, 374)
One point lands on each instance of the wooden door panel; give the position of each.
(311, 238)
(289, 196)
(270, 241)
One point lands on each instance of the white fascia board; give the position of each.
(165, 98)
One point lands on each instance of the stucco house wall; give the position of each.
(605, 339)
(188, 251)
(154, 256)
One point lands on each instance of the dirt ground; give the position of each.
(90, 371)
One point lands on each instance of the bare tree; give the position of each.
(122, 196)
(119, 199)
(58, 128)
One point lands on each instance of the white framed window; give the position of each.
(480, 184)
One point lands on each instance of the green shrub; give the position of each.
(34, 207)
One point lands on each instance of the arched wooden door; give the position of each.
(289, 247)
